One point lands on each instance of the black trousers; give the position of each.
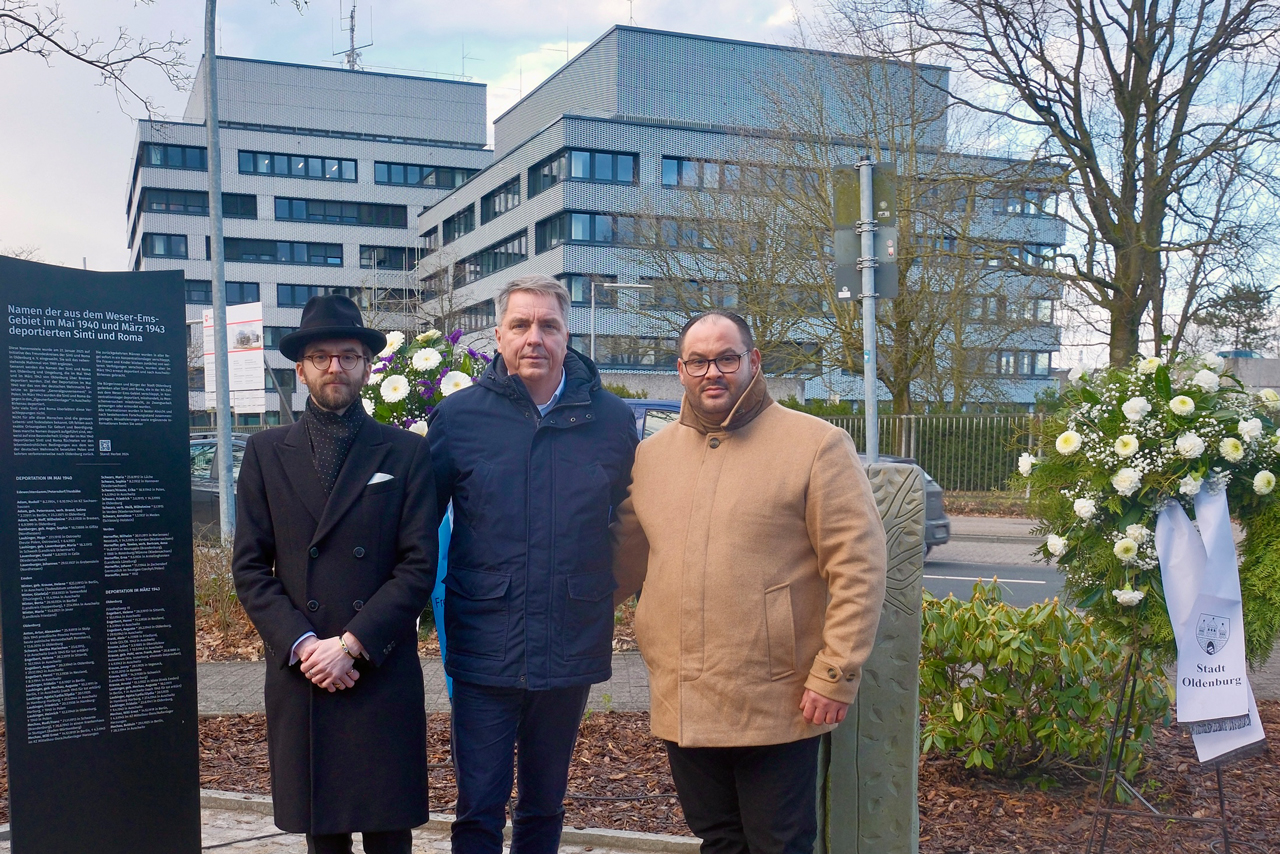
(385, 842)
(749, 800)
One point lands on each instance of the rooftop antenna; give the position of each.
(631, 12)
(465, 57)
(352, 53)
(565, 49)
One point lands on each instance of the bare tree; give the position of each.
(29, 252)
(1142, 101)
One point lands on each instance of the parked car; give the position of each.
(204, 479)
(653, 415)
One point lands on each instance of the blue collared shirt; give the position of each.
(546, 407)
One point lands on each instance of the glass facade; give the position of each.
(447, 177)
(499, 201)
(159, 156)
(164, 245)
(602, 166)
(200, 292)
(463, 222)
(344, 213)
(297, 166)
(282, 252)
(388, 258)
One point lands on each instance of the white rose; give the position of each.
(368, 405)
(1149, 364)
(395, 388)
(1271, 398)
(1182, 405)
(1189, 446)
(1137, 533)
(1251, 430)
(1025, 463)
(1213, 361)
(1055, 544)
(395, 340)
(1126, 446)
(1263, 482)
(1189, 485)
(1126, 481)
(1125, 549)
(1068, 443)
(1128, 596)
(1136, 408)
(1232, 449)
(426, 359)
(1085, 508)
(1207, 380)
(419, 427)
(1075, 374)
(454, 381)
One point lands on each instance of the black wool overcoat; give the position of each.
(361, 561)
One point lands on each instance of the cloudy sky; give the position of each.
(67, 143)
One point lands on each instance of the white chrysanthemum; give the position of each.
(419, 427)
(1231, 448)
(1213, 361)
(394, 388)
(428, 336)
(1125, 549)
(1250, 430)
(1263, 482)
(1126, 481)
(1068, 443)
(427, 358)
(1189, 446)
(1135, 408)
(1085, 508)
(1128, 596)
(1126, 446)
(1055, 544)
(1270, 398)
(1149, 365)
(1190, 485)
(395, 340)
(1182, 405)
(1206, 380)
(1025, 463)
(1137, 533)
(1075, 374)
(368, 405)
(453, 381)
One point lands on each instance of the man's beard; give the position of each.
(335, 395)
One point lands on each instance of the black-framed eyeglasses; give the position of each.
(725, 364)
(322, 361)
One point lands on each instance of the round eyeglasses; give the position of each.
(725, 364)
(322, 361)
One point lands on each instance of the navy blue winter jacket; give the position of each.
(529, 589)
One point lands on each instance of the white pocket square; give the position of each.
(379, 478)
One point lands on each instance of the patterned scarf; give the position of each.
(331, 438)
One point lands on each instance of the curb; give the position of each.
(626, 840)
(995, 538)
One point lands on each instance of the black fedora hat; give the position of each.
(328, 317)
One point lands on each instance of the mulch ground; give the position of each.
(619, 779)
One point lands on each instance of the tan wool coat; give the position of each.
(762, 558)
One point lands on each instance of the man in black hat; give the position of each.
(334, 561)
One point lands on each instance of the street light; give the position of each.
(613, 286)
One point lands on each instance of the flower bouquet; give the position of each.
(1126, 442)
(411, 377)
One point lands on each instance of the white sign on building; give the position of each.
(246, 364)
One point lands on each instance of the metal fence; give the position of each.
(965, 453)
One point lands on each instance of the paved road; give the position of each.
(955, 567)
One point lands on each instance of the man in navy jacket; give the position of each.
(535, 456)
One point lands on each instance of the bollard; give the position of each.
(868, 767)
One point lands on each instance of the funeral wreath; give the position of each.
(412, 375)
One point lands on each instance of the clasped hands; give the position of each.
(327, 664)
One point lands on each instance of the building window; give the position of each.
(347, 213)
(431, 240)
(627, 351)
(987, 309)
(160, 156)
(579, 227)
(234, 205)
(239, 206)
(1035, 364)
(494, 204)
(445, 177)
(499, 256)
(296, 296)
(1025, 202)
(579, 287)
(297, 166)
(601, 166)
(463, 222)
(388, 258)
(200, 292)
(1034, 254)
(480, 317)
(164, 245)
(271, 335)
(282, 252)
(1039, 310)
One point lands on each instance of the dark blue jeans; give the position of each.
(489, 726)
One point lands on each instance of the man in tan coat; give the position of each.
(754, 534)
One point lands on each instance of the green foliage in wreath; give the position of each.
(1126, 442)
